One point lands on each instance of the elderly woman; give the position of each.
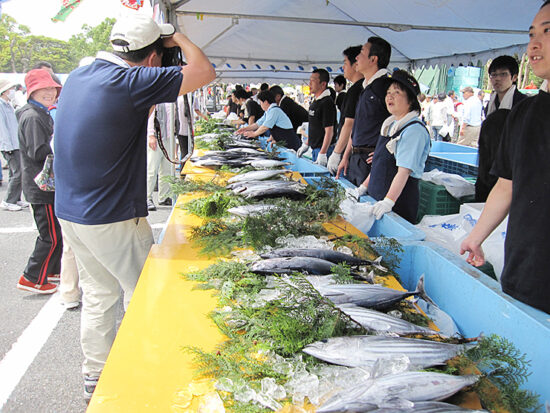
(35, 134)
(274, 120)
(401, 152)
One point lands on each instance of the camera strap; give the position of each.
(158, 132)
(158, 136)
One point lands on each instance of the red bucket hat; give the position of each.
(39, 79)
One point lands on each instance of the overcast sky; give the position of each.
(37, 15)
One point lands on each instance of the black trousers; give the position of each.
(358, 168)
(46, 258)
(13, 158)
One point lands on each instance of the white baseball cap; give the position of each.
(6, 84)
(137, 31)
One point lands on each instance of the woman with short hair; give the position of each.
(401, 152)
(274, 120)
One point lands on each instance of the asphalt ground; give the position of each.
(52, 382)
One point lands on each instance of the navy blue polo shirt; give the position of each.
(370, 113)
(100, 139)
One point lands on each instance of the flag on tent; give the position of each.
(67, 8)
(133, 4)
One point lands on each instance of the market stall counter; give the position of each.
(147, 365)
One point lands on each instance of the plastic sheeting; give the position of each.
(293, 36)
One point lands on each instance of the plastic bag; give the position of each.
(358, 214)
(456, 185)
(45, 179)
(450, 230)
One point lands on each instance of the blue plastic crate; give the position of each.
(441, 146)
(478, 305)
(450, 166)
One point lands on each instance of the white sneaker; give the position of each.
(10, 207)
(23, 204)
(70, 305)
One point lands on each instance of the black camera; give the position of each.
(172, 56)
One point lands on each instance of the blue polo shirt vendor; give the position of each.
(401, 152)
(274, 120)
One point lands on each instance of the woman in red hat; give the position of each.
(35, 134)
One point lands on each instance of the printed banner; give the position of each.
(66, 9)
(132, 4)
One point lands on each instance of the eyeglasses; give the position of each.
(499, 74)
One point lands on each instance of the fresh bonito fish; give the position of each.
(256, 175)
(325, 254)
(370, 296)
(247, 210)
(396, 391)
(382, 323)
(239, 187)
(429, 407)
(358, 351)
(267, 163)
(249, 151)
(287, 191)
(292, 264)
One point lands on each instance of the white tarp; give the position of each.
(294, 35)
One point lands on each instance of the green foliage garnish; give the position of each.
(342, 274)
(507, 368)
(182, 186)
(213, 206)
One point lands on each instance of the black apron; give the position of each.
(286, 135)
(384, 169)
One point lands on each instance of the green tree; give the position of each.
(42, 48)
(12, 40)
(91, 40)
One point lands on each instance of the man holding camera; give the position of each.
(100, 167)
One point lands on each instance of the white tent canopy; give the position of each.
(293, 36)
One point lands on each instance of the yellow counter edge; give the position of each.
(147, 365)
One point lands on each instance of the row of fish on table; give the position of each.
(414, 391)
(264, 182)
(405, 391)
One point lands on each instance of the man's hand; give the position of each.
(321, 159)
(369, 159)
(249, 134)
(342, 167)
(382, 207)
(171, 41)
(152, 141)
(333, 162)
(475, 252)
(302, 149)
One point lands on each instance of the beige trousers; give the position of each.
(157, 167)
(109, 258)
(68, 277)
(470, 137)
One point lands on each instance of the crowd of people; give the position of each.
(111, 115)
(377, 135)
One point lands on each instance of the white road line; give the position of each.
(18, 359)
(16, 229)
(158, 225)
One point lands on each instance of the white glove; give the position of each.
(321, 159)
(333, 162)
(382, 207)
(357, 192)
(303, 149)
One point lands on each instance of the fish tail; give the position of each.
(422, 292)
(377, 264)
